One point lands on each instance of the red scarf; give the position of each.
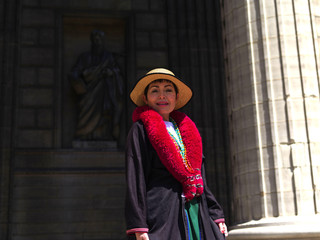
(161, 141)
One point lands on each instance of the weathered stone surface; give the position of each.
(47, 36)
(28, 76)
(37, 56)
(151, 59)
(35, 139)
(93, 4)
(26, 118)
(33, 97)
(45, 118)
(29, 36)
(150, 21)
(46, 76)
(269, 53)
(37, 17)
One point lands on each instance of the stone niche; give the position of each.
(76, 41)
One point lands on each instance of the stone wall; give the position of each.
(50, 190)
(58, 192)
(8, 59)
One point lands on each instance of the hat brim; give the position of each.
(184, 91)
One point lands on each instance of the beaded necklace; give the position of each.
(180, 145)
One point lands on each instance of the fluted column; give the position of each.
(272, 68)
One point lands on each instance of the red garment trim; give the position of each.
(163, 144)
(137, 230)
(220, 220)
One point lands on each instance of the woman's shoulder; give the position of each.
(137, 125)
(137, 128)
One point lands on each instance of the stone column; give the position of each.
(8, 63)
(272, 69)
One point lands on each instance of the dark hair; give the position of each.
(160, 81)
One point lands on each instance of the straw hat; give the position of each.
(137, 93)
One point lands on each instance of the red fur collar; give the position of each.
(163, 144)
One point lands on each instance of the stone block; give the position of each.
(314, 129)
(253, 160)
(256, 206)
(140, 4)
(286, 28)
(269, 181)
(253, 182)
(291, 71)
(159, 40)
(107, 5)
(243, 190)
(297, 131)
(292, 87)
(250, 140)
(310, 86)
(303, 25)
(285, 155)
(295, 109)
(259, 94)
(30, 2)
(33, 97)
(26, 118)
(236, 99)
(158, 5)
(278, 110)
(266, 136)
(45, 118)
(271, 32)
(247, 97)
(29, 36)
(37, 56)
(300, 155)
(28, 76)
(38, 17)
(35, 139)
(151, 59)
(84, 4)
(305, 202)
(272, 205)
(315, 157)
(46, 76)
(274, 73)
(280, 131)
(240, 37)
(47, 36)
(239, 19)
(285, 184)
(242, 166)
(143, 40)
(150, 21)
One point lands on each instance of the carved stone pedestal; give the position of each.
(95, 145)
(293, 228)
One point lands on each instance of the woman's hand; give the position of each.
(142, 236)
(223, 228)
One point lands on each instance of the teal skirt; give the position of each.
(192, 214)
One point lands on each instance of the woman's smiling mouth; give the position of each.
(162, 103)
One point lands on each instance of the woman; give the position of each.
(167, 195)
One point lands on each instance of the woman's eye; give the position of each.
(169, 90)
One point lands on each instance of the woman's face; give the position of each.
(162, 97)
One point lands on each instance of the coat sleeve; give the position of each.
(215, 210)
(136, 204)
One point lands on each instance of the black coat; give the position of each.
(153, 197)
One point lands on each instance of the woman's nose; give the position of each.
(161, 95)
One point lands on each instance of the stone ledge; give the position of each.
(293, 228)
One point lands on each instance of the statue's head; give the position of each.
(97, 38)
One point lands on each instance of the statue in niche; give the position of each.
(97, 81)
